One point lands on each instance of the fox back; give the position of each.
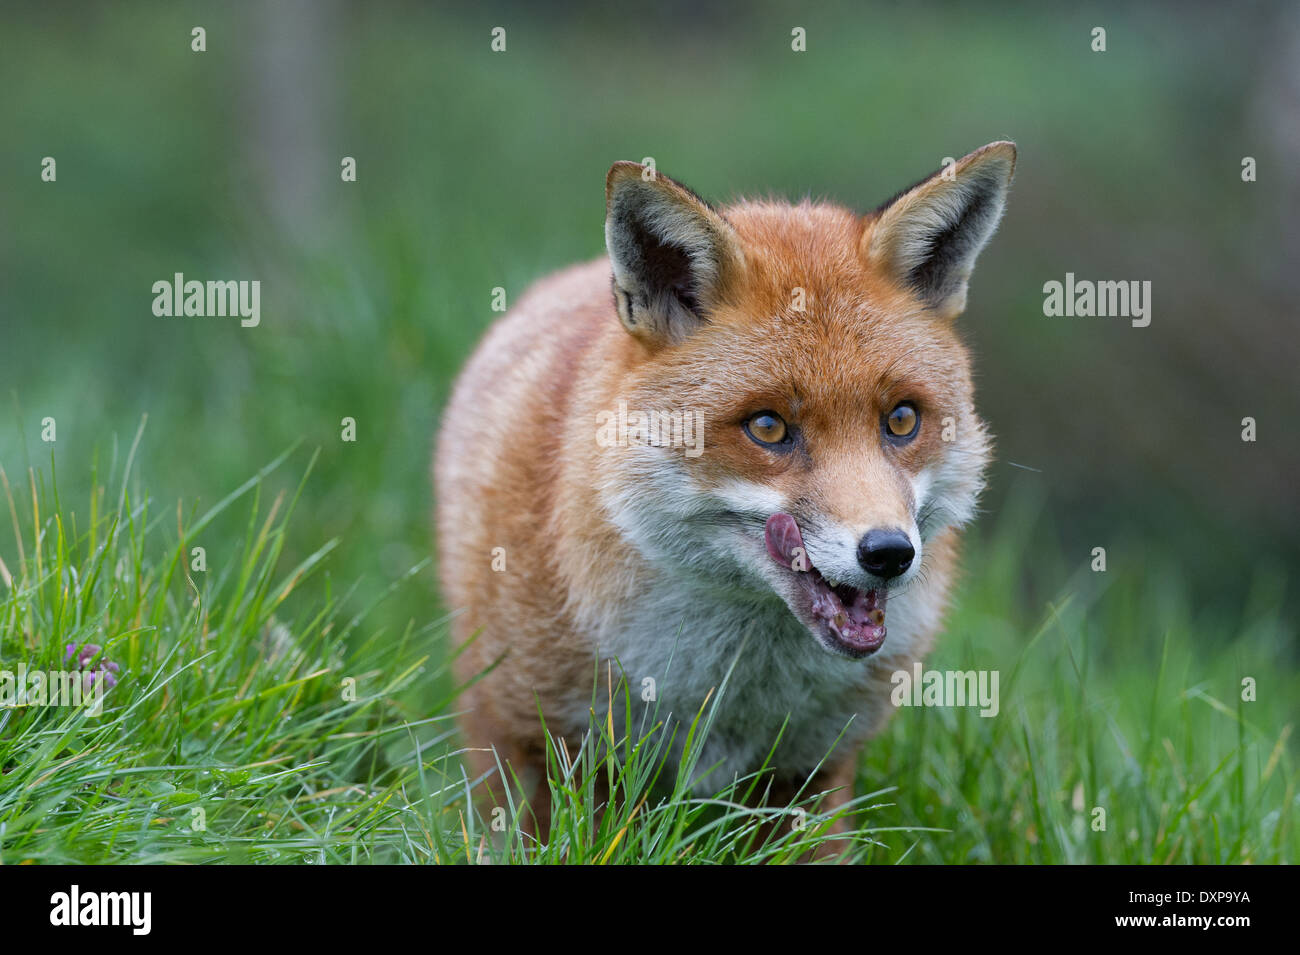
(740, 448)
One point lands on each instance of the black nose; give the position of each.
(885, 553)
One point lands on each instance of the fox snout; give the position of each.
(885, 553)
(880, 557)
(861, 516)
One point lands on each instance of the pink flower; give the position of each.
(106, 669)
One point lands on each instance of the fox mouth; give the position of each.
(846, 620)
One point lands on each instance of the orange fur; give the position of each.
(518, 466)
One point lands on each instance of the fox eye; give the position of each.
(766, 427)
(902, 422)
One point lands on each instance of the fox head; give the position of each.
(816, 350)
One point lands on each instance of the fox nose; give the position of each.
(885, 553)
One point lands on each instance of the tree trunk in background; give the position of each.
(291, 95)
(1274, 125)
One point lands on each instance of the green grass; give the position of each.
(1125, 694)
(232, 708)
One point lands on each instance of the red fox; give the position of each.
(743, 442)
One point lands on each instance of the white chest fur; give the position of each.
(689, 639)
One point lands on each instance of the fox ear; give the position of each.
(672, 255)
(928, 237)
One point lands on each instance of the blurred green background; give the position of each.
(479, 169)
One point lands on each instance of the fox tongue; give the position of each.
(781, 534)
(855, 617)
